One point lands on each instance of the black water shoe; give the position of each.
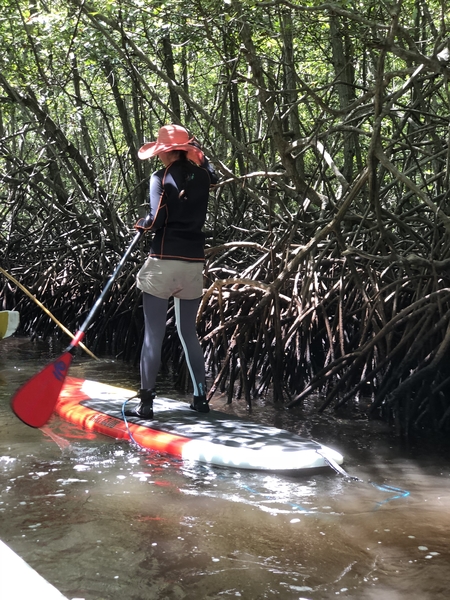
(200, 404)
(144, 410)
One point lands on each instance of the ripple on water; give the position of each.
(103, 520)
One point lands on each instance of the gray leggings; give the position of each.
(155, 317)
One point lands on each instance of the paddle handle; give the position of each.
(81, 332)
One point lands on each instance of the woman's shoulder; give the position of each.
(189, 171)
(159, 173)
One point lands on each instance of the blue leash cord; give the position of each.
(132, 439)
(398, 493)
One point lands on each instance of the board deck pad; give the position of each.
(215, 438)
(216, 427)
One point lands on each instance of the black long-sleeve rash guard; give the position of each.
(178, 205)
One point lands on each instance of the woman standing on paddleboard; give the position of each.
(178, 204)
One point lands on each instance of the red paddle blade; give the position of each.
(35, 401)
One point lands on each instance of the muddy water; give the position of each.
(102, 520)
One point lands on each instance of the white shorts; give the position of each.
(166, 278)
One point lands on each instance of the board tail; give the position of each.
(335, 466)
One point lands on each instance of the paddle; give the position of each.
(9, 321)
(35, 401)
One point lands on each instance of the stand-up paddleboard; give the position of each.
(215, 438)
(9, 322)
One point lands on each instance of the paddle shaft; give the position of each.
(41, 306)
(35, 401)
(81, 332)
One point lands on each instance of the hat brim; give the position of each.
(153, 148)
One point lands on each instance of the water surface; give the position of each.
(102, 520)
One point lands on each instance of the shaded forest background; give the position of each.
(328, 251)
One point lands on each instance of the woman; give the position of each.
(178, 205)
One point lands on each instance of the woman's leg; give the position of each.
(186, 314)
(155, 317)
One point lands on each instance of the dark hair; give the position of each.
(187, 173)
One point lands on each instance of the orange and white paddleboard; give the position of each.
(214, 438)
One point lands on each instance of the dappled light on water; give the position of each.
(102, 519)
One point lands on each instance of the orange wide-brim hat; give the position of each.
(172, 137)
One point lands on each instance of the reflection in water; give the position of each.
(102, 520)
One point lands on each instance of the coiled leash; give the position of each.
(132, 439)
